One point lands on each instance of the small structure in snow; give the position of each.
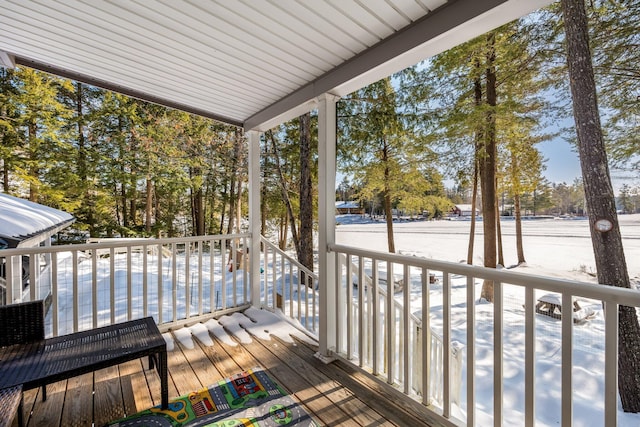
(462, 211)
(25, 224)
(350, 207)
(551, 305)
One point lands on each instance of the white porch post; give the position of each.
(327, 223)
(254, 216)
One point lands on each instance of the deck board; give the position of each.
(336, 394)
(108, 403)
(78, 401)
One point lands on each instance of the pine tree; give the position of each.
(607, 245)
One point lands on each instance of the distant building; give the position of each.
(462, 210)
(351, 207)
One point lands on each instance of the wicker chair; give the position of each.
(21, 323)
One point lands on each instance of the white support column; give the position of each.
(327, 223)
(254, 216)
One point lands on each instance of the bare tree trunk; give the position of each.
(472, 229)
(519, 246)
(600, 199)
(33, 169)
(148, 206)
(477, 92)
(239, 206)
(285, 194)
(232, 203)
(305, 256)
(5, 176)
(387, 203)
(499, 235)
(489, 171)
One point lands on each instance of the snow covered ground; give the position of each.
(553, 247)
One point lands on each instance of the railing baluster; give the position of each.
(245, 271)
(406, 310)
(375, 315)
(145, 281)
(497, 353)
(223, 288)
(349, 307)
(362, 327)
(129, 286)
(471, 349)
(426, 339)
(446, 344)
(76, 300)
(33, 264)
(567, 360)
(174, 282)
(112, 284)
(390, 327)
(529, 358)
(54, 292)
(200, 246)
(339, 304)
(8, 265)
(212, 277)
(291, 292)
(611, 364)
(94, 288)
(160, 285)
(187, 282)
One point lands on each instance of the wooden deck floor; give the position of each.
(337, 394)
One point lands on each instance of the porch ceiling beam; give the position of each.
(62, 72)
(7, 60)
(452, 24)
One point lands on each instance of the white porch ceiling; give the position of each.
(251, 63)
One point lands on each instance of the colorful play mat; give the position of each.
(250, 398)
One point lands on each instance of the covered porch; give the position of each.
(376, 361)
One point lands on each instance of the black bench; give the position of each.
(29, 360)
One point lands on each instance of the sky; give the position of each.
(563, 165)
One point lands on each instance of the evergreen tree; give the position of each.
(607, 243)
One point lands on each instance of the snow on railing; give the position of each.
(289, 286)
(512, 358)
(175, 280)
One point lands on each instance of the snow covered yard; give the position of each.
(555, 248)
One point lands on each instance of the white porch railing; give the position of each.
(176, 280)
(290, 287)
(184, 280)
(379, 334)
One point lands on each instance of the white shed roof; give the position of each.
(251, 63)
(21, 219)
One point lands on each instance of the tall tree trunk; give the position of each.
(499, 236)
(519, 246)
(489, 170)
(5, 176)
(5, 162)
(148, 210)
(600, 199)
(223, 208)
(477, 95)
(232, 204)
(239, 205)
(197, 203)
(305, 256)
(474, 201)
(284, 192)
(33, 164)
(387, 201)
